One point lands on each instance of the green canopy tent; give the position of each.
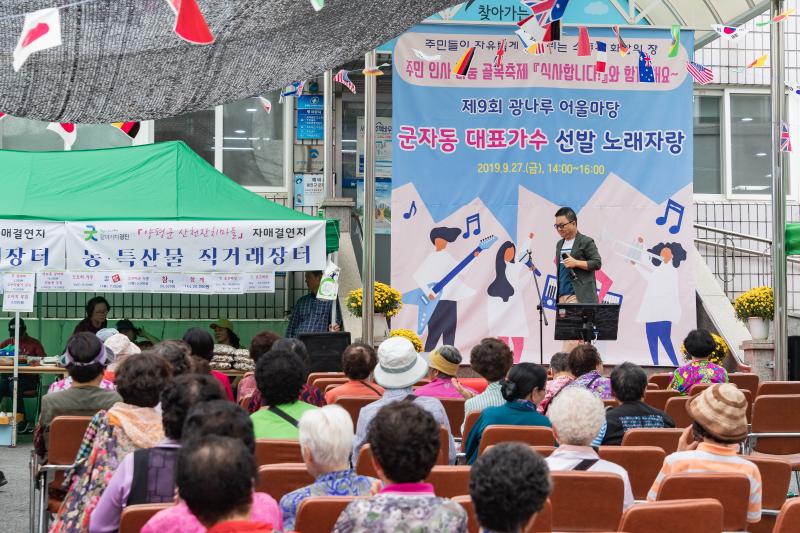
(162, 181)
(157, 182)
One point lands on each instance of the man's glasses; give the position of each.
(559, 227)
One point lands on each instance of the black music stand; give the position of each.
(587, 322)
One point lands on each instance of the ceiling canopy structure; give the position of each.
(121, 60)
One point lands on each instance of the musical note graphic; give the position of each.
(672, 205)
(476, 218)
(411, 210)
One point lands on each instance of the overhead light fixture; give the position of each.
(251, 109)
(747, 119)
(239, 131)
(761, 154)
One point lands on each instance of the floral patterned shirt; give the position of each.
(690, 374)
(342, 483)
(595, 383)
(403, 508)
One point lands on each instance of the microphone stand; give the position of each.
(540, 308)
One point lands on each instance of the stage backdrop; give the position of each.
(489, 158)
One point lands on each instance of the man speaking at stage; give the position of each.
(577, 259)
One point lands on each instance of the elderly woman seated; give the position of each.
(443, 365)
(699, 346)
(326, 438)
(358, 362)
(585, 364)
(577, 415)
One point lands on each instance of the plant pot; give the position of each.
(758, 327)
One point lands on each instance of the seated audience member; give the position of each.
(279, 375)
(262, 343)
(629, 382)
(326, 439)
(561, 378)
(522, 389)
(127, 328)
(585, 364)
(711, 443)
(491, 359)
(225, 419)
(215, 477)
(129, 425)
(308, 393)
(122, 348)
(577, 416)
(25, 382)
(177, 354)
(148, 475)
(699, 346)
(202, 345)
(508, 485)
(106, 381)
(404, 439)
(358, 362)
(399, 367)
(86, 359)
(443, 364)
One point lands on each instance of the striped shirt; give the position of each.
(490, 397)
(713, 458)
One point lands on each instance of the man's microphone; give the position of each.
(572, 273)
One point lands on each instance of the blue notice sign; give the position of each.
(309, 117)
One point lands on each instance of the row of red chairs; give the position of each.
(574, 506)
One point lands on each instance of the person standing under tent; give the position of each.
(311, 315)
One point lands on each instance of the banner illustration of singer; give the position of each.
(482, 162)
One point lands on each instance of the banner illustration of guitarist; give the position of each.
(440, 287)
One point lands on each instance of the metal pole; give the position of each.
(16, 384)
(368, 257)
(778, 194)
(288, 180)
(327, 146)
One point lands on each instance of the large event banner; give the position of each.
(30, 245)
(483, 161)
(196, 246)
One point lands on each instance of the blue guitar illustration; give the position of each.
(427, 305)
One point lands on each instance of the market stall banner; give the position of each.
(157, 282)
(196, 246)
(482, 161)
(29, 246)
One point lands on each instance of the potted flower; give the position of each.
(388, 302)
(756, 308)
(717, 356)
(410, 335)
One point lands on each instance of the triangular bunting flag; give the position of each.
(584, 46)
(40, 31)
(190, 24)
(131, 129)
(66, 131)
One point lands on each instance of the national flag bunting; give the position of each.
(295, 89)
(601, 58)
(317, 4)
(266, 105)
(66, 132)
(131, 129)
(546, 11)
(2, 115)
(676, 41)
(702, 75)
(760, 62)
(462, 66)
(786, 143)
(531, 27)
(584, 46)
(40, 30)
(730, 33)
(498, 57)
(777, 18)
(623, 48)
(794, 87)
(190, 24)
(531, 46)
(646, 68)
(343, 78)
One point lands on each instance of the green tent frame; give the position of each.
(161, 181)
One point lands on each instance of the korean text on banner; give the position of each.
(158, 282)
(29, 246)
(482, 162)
(196, 246)
(18, 292)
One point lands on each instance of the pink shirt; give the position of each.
(440, 388)
(226, 383)
(179, 519)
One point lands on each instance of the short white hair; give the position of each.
(328, 434)
(577, 416)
